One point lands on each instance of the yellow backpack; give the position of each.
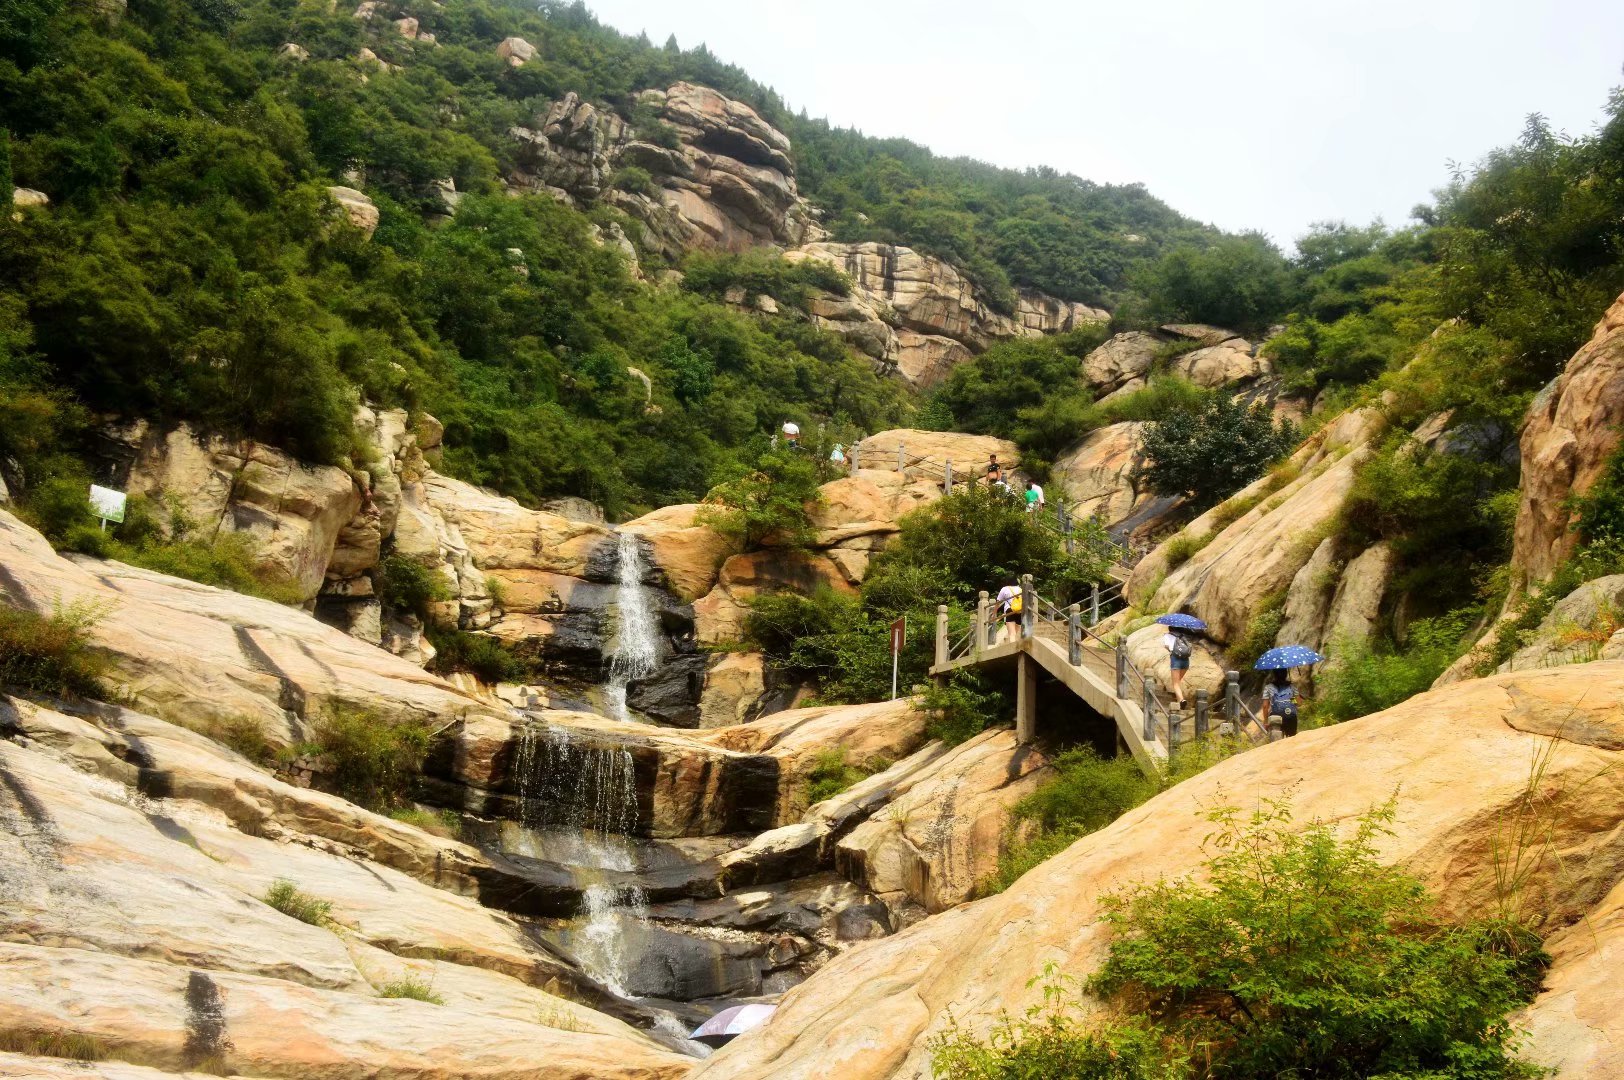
(1015, 603)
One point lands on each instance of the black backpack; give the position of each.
(1181, 647)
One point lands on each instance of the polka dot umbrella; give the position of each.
(1287, 656)
(1180, 621)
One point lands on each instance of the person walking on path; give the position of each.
(1034, 497)
(792, 434)
(1010, 602)
(1179, 651)
(995, 471)
(1281, 701)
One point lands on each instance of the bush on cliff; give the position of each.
(371, 761)
(1302, 954)
(768, 502)
(51, 654)
(1296, 952)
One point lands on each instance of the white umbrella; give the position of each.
(735, 1020)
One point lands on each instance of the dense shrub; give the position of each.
(1302, 954)
(763, 273)
(478, 654)
(405, 584)
(1053, 1042)
(831, 774)
(1368, 678)
(51, 654)
(371, 761)
(966, 705)
(1239, 282)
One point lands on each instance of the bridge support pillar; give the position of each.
(1201, 712)
(1026, 699)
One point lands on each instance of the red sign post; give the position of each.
(899, 633)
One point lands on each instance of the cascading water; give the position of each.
(585, 797)
(637, 640)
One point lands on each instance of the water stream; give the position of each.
(636, 652)
(585, 797)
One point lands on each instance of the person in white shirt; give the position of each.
(1034, 497)
(792, 434)
(1009, 606)
(1179, 666)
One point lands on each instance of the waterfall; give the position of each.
(586, 797)
(637, 640)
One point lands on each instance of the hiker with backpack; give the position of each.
(1179, 651)
(1010, 603)
(1280, 702)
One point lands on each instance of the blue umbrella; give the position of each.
(1182, 621)
(1287, 656)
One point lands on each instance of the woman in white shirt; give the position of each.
(1178, 662)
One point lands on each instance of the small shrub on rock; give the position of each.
(411, 986)
(286, 897)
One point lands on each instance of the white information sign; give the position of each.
(107, 504)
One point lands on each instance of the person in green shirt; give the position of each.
(1034, 497)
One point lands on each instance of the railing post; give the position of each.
(1201, 707)
(1175, 727)
(902, 461)
(947, 478)
(1028, 606)
(1148, 704)
(980, 631)
(941, 633)
(1094, 605)
(1122, 669)
(1232, 700)
(851, 458)
(1074, 635)
(1065, 529)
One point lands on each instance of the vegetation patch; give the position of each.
(1086, 794)
(286, 897)
(487, 658)
(833, 773)
(371, 761)
(1368, 678)
(405, 584)
(67, 1045)
(246, 735)
(413, 986)
(1206, 455)
(1295, 952)
(52, 654)
(447, 823)
(1262, 630)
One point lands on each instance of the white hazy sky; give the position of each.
(1250, 114)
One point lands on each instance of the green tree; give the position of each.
(1239, 282)
(1211, 454)
(768, 503)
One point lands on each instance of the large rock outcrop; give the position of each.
(1099, 476)
(941, 833)
(1257, 555)
(1573, 428)
(919, 316)
(727, 182)
(1459, 760)
(213, 485)
(132, 911)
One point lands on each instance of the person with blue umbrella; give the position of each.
(1179, 650)
(1280, 699)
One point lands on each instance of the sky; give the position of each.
(1249, 114)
